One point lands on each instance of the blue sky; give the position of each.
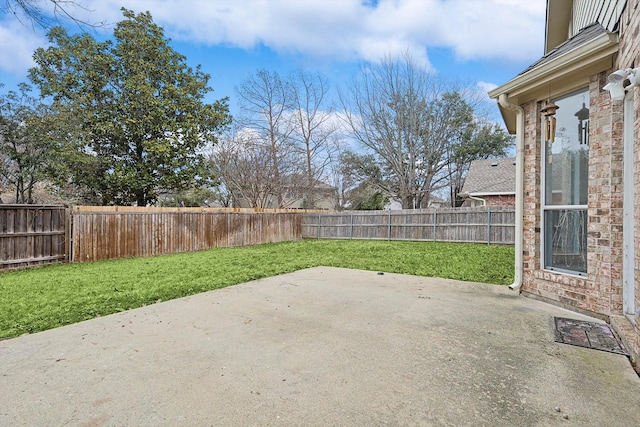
(482, 42)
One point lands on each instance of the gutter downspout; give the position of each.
(502, 100)
(484, 202)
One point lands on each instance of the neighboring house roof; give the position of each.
(490, 177)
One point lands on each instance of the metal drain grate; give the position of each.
(598, 336)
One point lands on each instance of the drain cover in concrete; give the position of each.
(587, 334)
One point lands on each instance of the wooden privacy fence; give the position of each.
(120, 232)
(32, 235)
(494, 225)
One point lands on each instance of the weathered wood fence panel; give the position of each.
(495, 225)
(116, 232)
(32, 235)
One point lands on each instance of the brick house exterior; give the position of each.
(578, 247)
(490, 182)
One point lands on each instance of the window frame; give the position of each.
(545, 251)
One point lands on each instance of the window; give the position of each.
(566, 173)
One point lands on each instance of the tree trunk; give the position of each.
(407, 202)
(424, 199)
(311, 203)
(30, 191)
(20, 190)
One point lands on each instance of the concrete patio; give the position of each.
(321, 347)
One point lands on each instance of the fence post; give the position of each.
(389, 226)
(488, 225)
(435, 222)
(351, 226)
(68, 234)
(319, 219)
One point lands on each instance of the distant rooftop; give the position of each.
(491, 176)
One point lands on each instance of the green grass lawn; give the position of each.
(44, 298)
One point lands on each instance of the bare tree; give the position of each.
(354, 174)
(45, 13)
(265, 109)
(244, 169)
(482, 140)
(312, 128)
(342, 177)
(449, 120)
(408, 119)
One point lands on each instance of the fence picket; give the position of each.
(33, 235)
(143, 232)
(481, 225)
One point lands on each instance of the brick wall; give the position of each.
(600, 292)
(604, 231)
(572, 291)
(532, 194)
(497, 200)
(505, 200)
(629, 57)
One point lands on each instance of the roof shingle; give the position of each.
(491, 176)
(589, 32)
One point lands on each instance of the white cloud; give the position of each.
(351, 29)
(343, 30)
(17, 44)
(505, 29)
(485, 88)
